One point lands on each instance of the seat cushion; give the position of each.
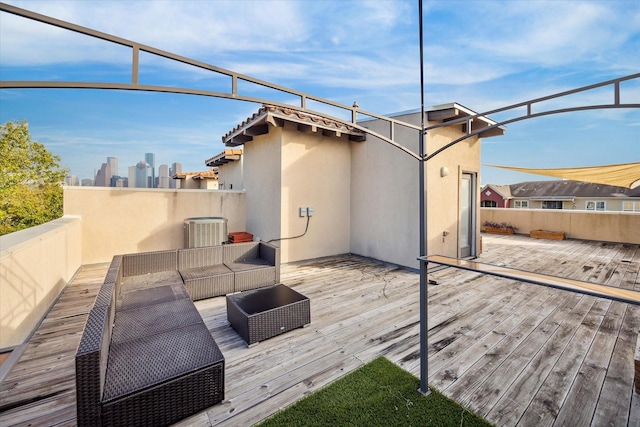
(250, 264)
(140, 364)
(153, 319)
(149, 296)
(151, 280)
(202, 272)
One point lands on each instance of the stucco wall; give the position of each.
(35, 265)
(230, 175)
(604, 226)
(315, 173)
(262, 180)
(285, 170)
(443, 194)
(384, 202)
(124, 220)
(385, 193)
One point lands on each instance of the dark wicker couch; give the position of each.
(146, 357)
(220, 270)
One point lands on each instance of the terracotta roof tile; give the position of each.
(210, 174)
(294, 114)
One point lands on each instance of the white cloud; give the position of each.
(551, 32)
(185, 27)
(494, 39)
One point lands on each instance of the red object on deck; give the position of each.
(240, 237)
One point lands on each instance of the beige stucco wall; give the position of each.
(384, 203)
(124, 220)
(285, 170)
(35, 266)
(604, 226)
(198, 184)
(208, 184)
(385, 193)
(230, 175)
(315, 173)
(443, 193)
(262, 181)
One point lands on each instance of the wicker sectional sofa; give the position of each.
(146, 357)
(221, 270)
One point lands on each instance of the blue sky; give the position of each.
(481, 54)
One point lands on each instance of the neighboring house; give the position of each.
(293, 160)
(573, 195)
(229, 166)
(495, 196)
(207, 180)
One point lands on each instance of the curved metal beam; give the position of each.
(529, 107)
(517, 119)
(233, 93)
(353, 111)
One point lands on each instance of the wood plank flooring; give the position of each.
(517, 354)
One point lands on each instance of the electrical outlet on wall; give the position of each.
(303, 212)
(310, 211)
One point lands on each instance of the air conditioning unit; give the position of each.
(208, 231)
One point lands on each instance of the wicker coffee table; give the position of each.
(263, 313)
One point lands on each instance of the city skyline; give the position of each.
(109, 171)
(482, 54)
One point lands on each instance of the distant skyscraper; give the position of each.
(113, 164)
(132, 177)
(163, 176)
(103, 177)
(142, 175)
(87, 182)
(175, 168)
(71, 180)
(150, 158)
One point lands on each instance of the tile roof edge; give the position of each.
(289, 113)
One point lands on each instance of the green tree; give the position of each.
(30, 180)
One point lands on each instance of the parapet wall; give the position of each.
(35, 266)
(126, 220)
(621, 227)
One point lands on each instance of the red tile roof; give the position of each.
(293, 115)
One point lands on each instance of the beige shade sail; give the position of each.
(622, 175)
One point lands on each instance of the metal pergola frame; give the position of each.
(422, 157)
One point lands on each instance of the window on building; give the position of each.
(521, 204)
(596, 205)
(631, 206)
(488, 204)
(551, 204)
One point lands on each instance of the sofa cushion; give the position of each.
(140, 364)
(141, 297)
(153, 319)
(249, 264)
(150, 280)
(208, 282)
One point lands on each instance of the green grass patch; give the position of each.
(377, 394)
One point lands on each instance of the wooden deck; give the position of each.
(516, 353)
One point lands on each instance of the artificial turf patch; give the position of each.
(377, 394)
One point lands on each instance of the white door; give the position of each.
(467, 215)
